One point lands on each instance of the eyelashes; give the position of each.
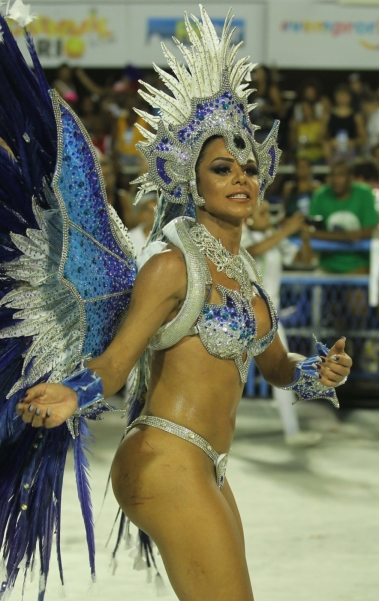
(225, 170)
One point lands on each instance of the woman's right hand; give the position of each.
(47, 405)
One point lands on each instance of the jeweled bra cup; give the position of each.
(229, 330)
(178, 232)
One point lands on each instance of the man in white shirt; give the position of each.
(145, 217)
(271, 249)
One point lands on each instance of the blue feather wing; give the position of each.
(67, 270)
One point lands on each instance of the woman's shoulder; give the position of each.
(163, 274)
(168, 262)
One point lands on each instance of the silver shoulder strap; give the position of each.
(198, 276)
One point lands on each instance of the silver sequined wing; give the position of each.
(73, 279)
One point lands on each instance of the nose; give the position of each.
(239, 176)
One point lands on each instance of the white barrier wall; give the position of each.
(285, 33)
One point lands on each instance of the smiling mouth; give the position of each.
(239, 197)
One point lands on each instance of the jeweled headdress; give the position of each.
(209, 96)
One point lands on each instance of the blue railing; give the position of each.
(326, 306)
(327, 246)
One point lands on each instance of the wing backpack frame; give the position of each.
(66, 275)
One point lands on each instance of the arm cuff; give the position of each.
(91, 404)
(307, 385)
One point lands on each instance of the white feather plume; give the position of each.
(202, 75)
(20, 12)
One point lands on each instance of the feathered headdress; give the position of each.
(209, 96)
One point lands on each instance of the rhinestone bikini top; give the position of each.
(227, 330)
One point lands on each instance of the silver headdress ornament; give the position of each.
(208, 97)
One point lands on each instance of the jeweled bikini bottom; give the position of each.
(219, 461)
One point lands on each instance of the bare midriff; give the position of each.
(192, 388)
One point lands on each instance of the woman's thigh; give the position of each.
(175, 500)
(202, 549)
(227, 492)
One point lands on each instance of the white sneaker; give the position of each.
(303, 439)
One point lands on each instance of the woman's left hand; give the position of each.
(335, 367)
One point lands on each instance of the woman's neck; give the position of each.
(228, 233)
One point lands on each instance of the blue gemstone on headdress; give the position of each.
(162, 171)
(225, 106)
(273, 157)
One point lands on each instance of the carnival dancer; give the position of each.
(197, 315)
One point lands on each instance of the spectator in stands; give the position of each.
(370, 104)
(309, 92)
(65, 86)
(344, 129)
(119, 198)
(297, 193)
(145, 213)
(126, 134)
(109, 175)
(358, 90)
(375, 153)
(366, 171)
(349, 214)
(272, 249)
(306, 136)
(269, 100)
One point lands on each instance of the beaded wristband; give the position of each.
(306, 384)
(91, 404)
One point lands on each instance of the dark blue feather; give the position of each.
(84, 491)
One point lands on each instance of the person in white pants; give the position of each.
(271, 249)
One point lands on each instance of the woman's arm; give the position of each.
(158, 292)
(290, 226)
(278, 366)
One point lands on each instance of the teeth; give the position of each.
(239, 196)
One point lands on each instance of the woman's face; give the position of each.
(230, 190)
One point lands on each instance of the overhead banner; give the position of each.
(307, 35)
(156, 23)
(113, 35)
(84, 34)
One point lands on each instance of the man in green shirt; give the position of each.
(349, 215)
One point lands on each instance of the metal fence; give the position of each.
(327, 307)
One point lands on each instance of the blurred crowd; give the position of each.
(330, 147)
(327, 188)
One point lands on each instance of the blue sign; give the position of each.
(166, 28)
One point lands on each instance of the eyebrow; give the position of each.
(229, 160)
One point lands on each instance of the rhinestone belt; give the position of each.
(219, 461)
